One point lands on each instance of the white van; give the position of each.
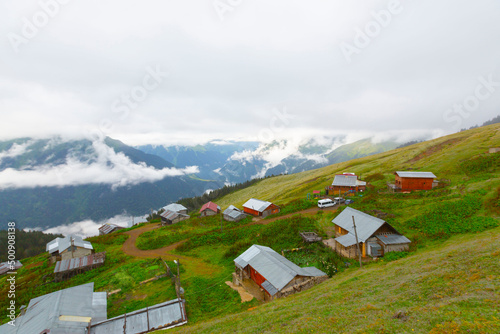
(324, 203)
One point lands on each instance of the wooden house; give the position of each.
(233, 214)
(109, 228)
(258, 208)
(170, 217)
(273, 273)
(375, 236)
(68, 248)
(209, 209)
(346, 184)
(408, 181)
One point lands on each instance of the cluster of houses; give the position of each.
(174, 213)
(348, 184)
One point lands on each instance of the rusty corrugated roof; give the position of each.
(79, 262)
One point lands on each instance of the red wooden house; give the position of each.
(408, 181)
(258, 208)
(273, 273)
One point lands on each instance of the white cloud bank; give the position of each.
(88, 227)
(105, 167)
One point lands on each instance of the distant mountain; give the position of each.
(209, 157)
(49, 182)
(237, 162)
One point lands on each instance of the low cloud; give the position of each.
(104, 166)
(88, 228)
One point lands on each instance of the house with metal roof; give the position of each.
(259, 208)
(172, 217)
(67, 268)
(209, 209)
(273, 273)
(233, 214)
(69, 247)
(109, 228)
(345, 184)
(409, 181)
(375, 236)
(174, 207)
(65, 311)
(5, 267)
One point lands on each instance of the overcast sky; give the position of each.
(177, 72)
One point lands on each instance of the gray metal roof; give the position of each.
(80, 262)
(423, 175)
(45, 312)
(174, 207)
(366, 225)
(269, 288)
(163, 315)
(346, 240)
(5, 267)
(171, 215)
(230, 209)
(314, 271)
(234, 212)
(61, 244)
(257, 204)
(393, 239)
(276, 269)
(108, 228)
(345, 180)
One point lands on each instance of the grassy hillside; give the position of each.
(452, 288)
(447, 157)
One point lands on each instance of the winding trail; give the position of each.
(193, 264)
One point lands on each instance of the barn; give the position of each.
(346, 184)
(408, 181)
(258, 208)
(277, 276)
(375, 236)
(209, 209)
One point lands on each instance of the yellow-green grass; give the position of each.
(449, 288)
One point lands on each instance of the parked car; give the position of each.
(348, 201)
(324, 203)
(339, 200)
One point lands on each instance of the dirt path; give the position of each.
(245, 296)
(192, 264)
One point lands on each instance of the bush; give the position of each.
(444, 219)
